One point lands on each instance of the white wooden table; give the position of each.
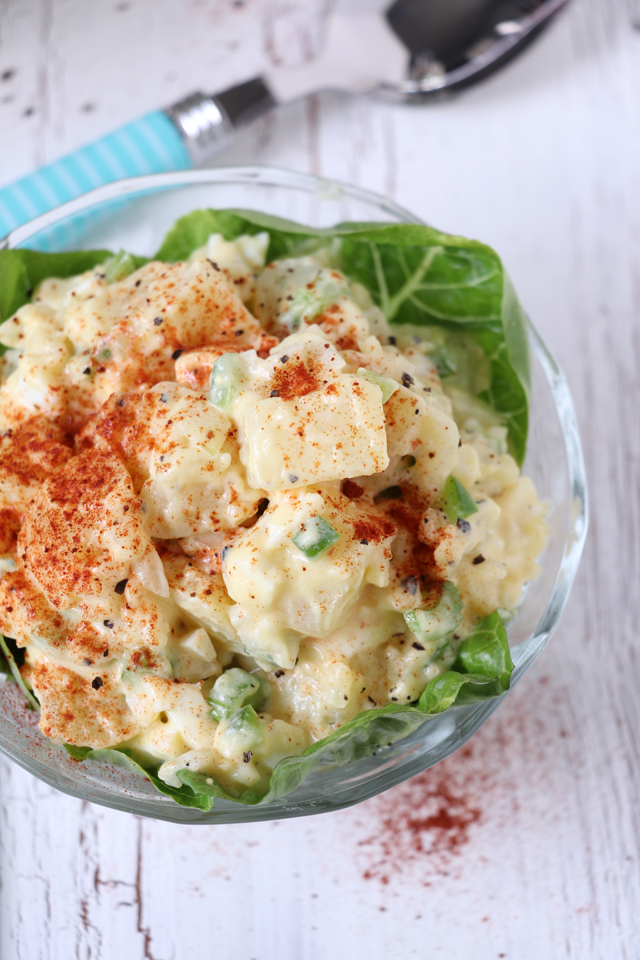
(536, 854)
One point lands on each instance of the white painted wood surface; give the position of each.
(543, 162)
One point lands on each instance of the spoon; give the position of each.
(408, 51)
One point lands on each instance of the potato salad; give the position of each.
(245, 503)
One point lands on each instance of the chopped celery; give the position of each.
(444, 361)
(386, 384)
(505, 615)
(228, 374)
(119, 266)
(456, 501)
(310, 303)
(438, 622)
(315, 536)
(234, 689)
(242, 732)
(444, 655)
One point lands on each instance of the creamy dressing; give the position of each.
(216, 465)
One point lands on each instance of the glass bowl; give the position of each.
(134, 215)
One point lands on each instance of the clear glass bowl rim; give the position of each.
(386, 776)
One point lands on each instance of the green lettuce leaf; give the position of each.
(486, 652)
(14, 283)
(5, 666)
(457, 688)
(9, 653)
(416, 275)
(121, 757)
(422, 277)
(22, 270)
(481, 672)
(364, 734)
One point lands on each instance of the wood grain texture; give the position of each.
(542, 162)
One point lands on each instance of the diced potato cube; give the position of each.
(332, 433)
(281, 593)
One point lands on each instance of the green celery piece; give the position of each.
(306, 304)
(119, 266)
(486, 651)
(444, 362)
(505, 615)
(386, 384)
(432, 625)
(243, 730)
(228, 374)
(456, 501)
(9, 657)
(314, 537)
(236, 688)
(444, 656)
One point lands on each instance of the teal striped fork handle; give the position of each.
(151, 144)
